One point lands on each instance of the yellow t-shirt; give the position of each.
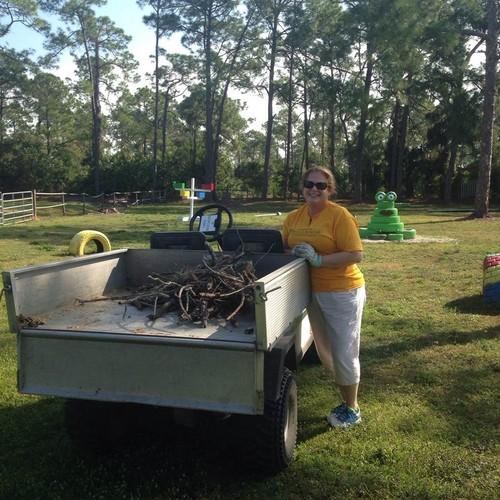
(332, 230)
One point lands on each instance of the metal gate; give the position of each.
(16, 207)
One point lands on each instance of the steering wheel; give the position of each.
(211, 224)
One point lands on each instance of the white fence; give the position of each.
(24, 206)
(16, 207)
(55, 200)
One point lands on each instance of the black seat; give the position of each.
(189, 240)
(253, 240)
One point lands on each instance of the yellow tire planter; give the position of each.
(83, 238)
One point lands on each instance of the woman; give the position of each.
(327, 236)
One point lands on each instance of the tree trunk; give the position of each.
(345, 132)
(194, 148)
(270, 98)
(223, 97)
(2, 103)
(48, 141)
(401, 148)
(331, 138)
(220, 117)
(96, 121)
(288, 156)
(394, 144)
(450, 172)
(360, 146)
(157, 99)
(458, 77)
(400, 117)
(209, 176)
(306, 127)
(332, 134)
(482, 199)
(322, 138)
(164, 125)
(94, 78)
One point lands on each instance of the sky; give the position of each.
(127, 15)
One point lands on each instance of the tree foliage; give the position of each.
(391, 94)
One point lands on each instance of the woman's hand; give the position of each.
(307, 252)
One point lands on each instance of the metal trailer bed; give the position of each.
(103, 351)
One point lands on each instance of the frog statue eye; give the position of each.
(380, 196)
(392, 196)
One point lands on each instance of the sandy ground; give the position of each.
(417, 239)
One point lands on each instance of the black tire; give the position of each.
(276, 431)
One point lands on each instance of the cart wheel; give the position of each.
(276, 430)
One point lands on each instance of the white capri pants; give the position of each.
(335, 319)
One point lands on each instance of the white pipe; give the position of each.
(191, 197)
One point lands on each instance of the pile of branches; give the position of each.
(220, 287)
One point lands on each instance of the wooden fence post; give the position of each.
(83, 203)
(33, 201)
(63, 204)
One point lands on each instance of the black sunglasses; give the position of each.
(319, 185)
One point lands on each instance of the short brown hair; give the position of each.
(330, 179)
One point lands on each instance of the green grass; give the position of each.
(429, 392)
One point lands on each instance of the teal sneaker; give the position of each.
(344, 417)
(339, 410)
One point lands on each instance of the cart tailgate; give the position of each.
(182, 373)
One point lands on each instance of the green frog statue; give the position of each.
(385, 223)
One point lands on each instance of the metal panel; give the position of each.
(142, 262)
(112, 317)
(40, 289)
(9, 301)
(149, 371)
(281, 298)
(267, 264)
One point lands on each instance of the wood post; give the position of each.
(33, 201)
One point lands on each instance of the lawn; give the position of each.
(429, 392)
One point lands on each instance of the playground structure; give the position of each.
(192, 193)
(491, 278)
(385, 223)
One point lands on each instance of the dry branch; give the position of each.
(219, 287)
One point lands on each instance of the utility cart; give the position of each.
(101, 352)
